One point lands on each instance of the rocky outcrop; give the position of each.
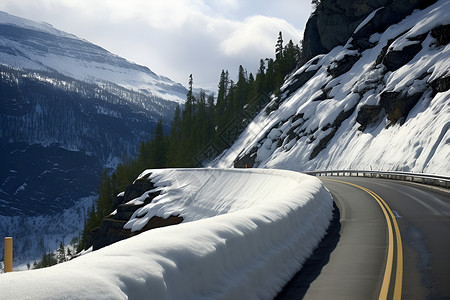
(246, 161)
(368, 115)
(342, 66)
(398, 105)
(323, 142)
(111, 229)
(441, 34)
(393, 60)
(441, 85)
(335, 21)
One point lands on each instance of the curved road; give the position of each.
(400, 249)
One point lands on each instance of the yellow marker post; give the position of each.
(8, 254)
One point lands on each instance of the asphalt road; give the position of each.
(378, 251)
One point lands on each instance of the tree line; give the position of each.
(198, 123)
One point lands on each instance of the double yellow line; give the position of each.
(392, 227)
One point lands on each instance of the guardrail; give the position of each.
(430, 179)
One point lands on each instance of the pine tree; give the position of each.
(270, 76)
(242, 88)
(61, 253)
(279, 47)
(260, 80)
(291, 57)
(221, 105)
(158, 148)
(174, 155)
(190, 97)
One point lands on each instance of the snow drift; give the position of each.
(244, 234)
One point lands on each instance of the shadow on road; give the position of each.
(297, 287)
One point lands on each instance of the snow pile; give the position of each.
(316, 128)
(246, 232)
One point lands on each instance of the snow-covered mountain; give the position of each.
(379, 102)
(37, 46)
(68, 109)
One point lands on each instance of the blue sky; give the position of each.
(175, 38)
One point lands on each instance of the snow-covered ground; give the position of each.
(420, 144)
(39, 234)
(244, 234)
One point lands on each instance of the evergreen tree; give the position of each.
(279, 47)
(270, 76)
(221, 105)
(242, 89)
(61, 253)
(158, 148)
(174, 155)
(190, 97)
(291, 58)
(260, 80)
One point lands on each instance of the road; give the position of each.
(378, 251)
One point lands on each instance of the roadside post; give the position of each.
(8, 254)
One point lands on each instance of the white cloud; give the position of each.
(258, 34)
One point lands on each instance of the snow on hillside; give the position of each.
(316, 127)
(38, 234)
(26, 44)
(246, 232)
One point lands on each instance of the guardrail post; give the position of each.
(8, 254)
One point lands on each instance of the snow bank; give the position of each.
(246, 232)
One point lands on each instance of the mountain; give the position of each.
(68, 110)
(30, 45)
(379, 101)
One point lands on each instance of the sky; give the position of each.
(175, 38)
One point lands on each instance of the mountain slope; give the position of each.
(381, 101)
(38, 46)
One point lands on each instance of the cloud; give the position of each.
(258, 34)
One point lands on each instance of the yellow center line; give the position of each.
(399, 268)
(390, 257)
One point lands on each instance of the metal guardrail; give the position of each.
(430, 179)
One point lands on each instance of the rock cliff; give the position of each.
(335, 21)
